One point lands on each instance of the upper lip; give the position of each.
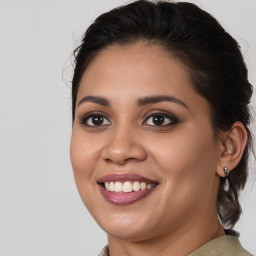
(125, 177)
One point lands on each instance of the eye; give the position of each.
(160, 119)
(95, 120)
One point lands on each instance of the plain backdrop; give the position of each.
(40, 210)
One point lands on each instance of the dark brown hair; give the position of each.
(213, 57)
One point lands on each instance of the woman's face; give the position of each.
(143, 150)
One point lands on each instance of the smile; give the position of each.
(127, 186)
(125, 189)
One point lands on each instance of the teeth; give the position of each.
(118, 187)
(112, 186)
(127, 186)
(136, 186)
(149, 186)
(107, 186)
(143, 186)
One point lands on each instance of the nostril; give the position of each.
(122, 155)
(120, 161)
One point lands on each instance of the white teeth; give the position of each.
(112, 186)
(136, 186)
(107, 186)
(149, 186)
(143, 186)
(118, 187)
(127, 186)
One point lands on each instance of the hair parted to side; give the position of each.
(213, 57)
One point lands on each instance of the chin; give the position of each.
(128, 233)
(133, 228)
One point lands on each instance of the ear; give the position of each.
(232, 147)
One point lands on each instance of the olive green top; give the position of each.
(222, 246)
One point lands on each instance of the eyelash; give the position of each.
(172, 119)
(87, 118)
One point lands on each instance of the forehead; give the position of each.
(140, 65)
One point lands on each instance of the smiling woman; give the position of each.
(160, 130)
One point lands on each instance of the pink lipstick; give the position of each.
(125, 189)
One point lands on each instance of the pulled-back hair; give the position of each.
(213, 58)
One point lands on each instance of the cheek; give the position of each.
(83, 150)
(84, 154)
(188, 160)
(190, 149)
(187, 164)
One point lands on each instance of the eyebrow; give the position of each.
(141, 102)
(159, 98)
(94, 99)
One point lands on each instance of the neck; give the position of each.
(180, 242)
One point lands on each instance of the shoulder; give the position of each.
(222, 246)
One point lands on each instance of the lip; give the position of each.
(119, 198)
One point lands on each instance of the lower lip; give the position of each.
(124, 198)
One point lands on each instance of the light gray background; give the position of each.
(40, 210)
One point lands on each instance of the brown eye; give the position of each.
(96, 120)
(160, 120)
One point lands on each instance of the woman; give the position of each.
(160, 138)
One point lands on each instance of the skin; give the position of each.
(183, 155)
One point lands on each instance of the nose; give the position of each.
(123, 146)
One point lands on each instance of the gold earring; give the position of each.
(226, 171)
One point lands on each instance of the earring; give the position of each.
(226, 171)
